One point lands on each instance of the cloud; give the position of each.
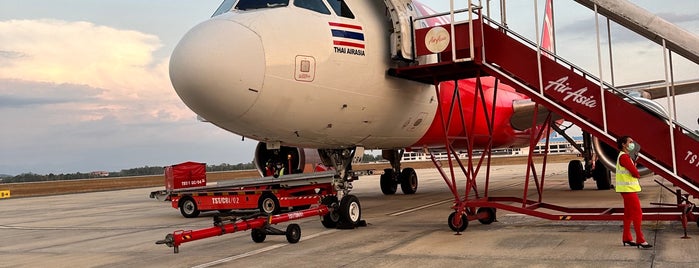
(584, 27)
(67, 58)
(73, 52)
(66, 128)
(678, 18)
(75, 96)
(20, 93)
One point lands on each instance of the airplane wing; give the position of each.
(656, 89)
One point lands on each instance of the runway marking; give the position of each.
(258, 251)
(420, 207)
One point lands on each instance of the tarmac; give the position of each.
(120, 228)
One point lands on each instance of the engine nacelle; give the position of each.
(294, 159)
(608, 154)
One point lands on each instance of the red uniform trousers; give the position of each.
(632, 213)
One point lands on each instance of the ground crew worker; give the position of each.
(269, 169)
(627, 184)
(279, 170)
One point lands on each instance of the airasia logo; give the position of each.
(577, 96)
(437, 39)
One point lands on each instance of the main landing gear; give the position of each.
(592, 167)
(392, 177)
(577, 175)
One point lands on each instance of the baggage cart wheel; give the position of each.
(188, 208)
(258, 235)
(293, 233)
(457, 227)
(268, 203)
(330, 219)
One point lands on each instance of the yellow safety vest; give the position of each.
(280, 172)
(625, 183)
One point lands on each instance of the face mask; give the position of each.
(631, 146)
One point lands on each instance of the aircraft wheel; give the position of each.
(293, 233)
(408, 181)
(188, 208)
(330, 220)
(350, 210)
(258, 235)
(457, 227)
(576, 175)
(490, 215)
(388, 185)
(268, 203)
(601, 176)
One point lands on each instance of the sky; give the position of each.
(84, 84)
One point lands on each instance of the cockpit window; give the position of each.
(224, 7)
(257, 4)
(341, 8)
(315, 5)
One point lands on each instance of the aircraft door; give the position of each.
(401, 12)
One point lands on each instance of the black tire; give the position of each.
(576, 175)
(458, 227)
(602, 176)
(331, 219)
(188, 208)
(388, 184)
(268, 203)
(408, 181)
(258, 235)
(350, 210)
(490, 215)
(293, 233)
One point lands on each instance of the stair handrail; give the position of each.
(587, 75)
(471, 10)
(596, 80)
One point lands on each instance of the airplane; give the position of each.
(261, 74)
(308, 80)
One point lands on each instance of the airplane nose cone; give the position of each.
(218, 69)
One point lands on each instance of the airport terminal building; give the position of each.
(557, 145)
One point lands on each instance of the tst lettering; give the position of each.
(692, 158)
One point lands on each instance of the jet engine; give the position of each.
(294, 159)
(607, 154)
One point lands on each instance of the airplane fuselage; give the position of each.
(303, 78)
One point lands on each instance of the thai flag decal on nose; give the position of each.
(347, 38)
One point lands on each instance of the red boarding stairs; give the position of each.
(481, 47)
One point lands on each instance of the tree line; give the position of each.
(140, 171)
